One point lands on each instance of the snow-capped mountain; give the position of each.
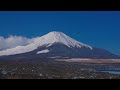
(57, 44)
(46, 40)
(58, 37)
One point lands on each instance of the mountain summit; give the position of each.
(57, 44)
(59, 37)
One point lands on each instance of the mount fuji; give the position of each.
(58, 45)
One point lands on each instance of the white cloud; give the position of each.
(13, 41)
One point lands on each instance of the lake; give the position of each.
(109, 71)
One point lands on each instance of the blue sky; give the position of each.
(96, 28)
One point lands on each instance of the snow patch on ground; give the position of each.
(43, 51)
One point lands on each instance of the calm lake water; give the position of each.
(110, 71)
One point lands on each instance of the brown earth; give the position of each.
(91, 60)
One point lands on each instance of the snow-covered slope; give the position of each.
(54, 37)
(45, 40)
(43, 51)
